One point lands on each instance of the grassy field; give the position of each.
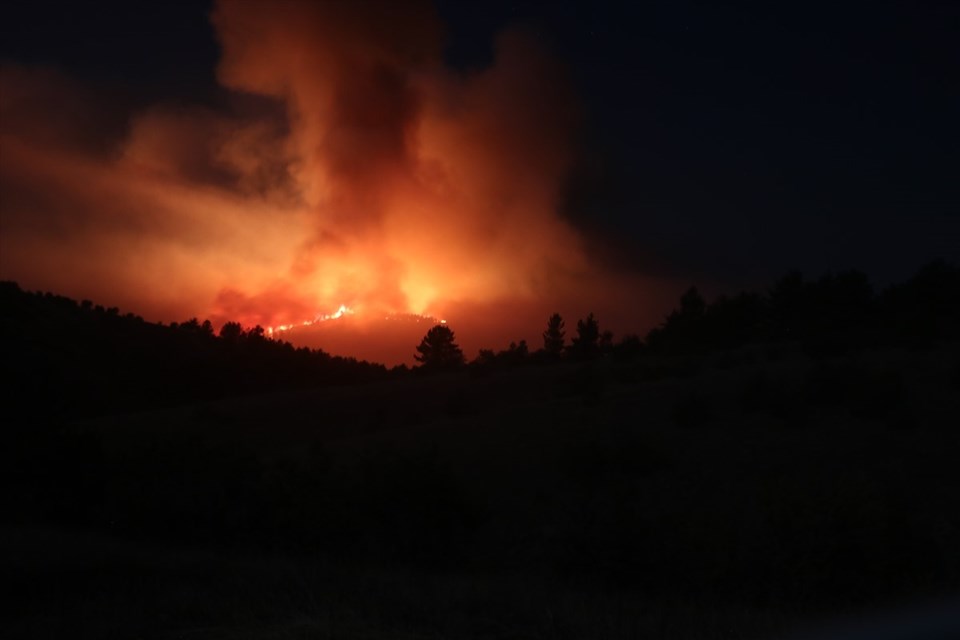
(742, 495)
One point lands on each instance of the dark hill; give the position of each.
(62, 360)
(755, 465)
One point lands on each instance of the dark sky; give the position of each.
(718, 140)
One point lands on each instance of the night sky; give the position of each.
(716, 143)
(744, 139)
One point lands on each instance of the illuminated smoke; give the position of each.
(393, 184)
(424, 187)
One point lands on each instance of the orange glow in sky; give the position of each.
(382, 183)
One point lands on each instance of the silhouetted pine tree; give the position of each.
(438, 350)
(586, 344)
(553, 341)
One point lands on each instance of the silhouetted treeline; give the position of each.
(66, 359)
(833, 315)
(63, 358)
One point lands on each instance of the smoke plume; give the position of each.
(385, 181)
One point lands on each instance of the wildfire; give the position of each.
(380, 179)
(342, 311)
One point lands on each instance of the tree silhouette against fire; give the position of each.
(438, 350)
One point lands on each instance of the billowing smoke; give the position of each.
(384, 181)
(423, 187)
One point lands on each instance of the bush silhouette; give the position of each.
(488, 360)
(683, 329)
(438, 350)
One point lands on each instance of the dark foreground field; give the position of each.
(753, 494)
